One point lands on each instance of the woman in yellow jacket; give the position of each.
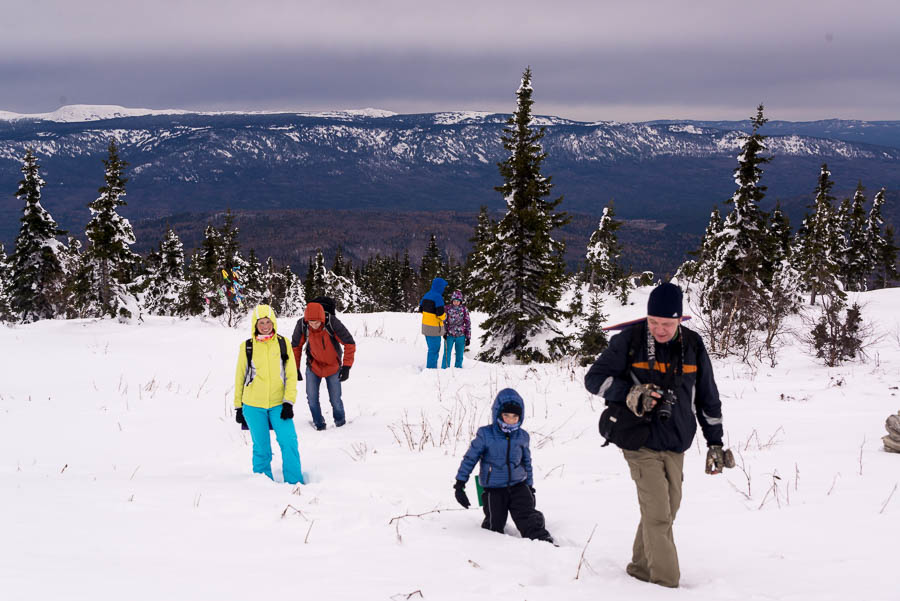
(265, 388)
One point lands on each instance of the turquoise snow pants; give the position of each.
(258, 420)
(457, 344)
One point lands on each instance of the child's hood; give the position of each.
(507, 395)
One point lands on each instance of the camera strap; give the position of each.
(674, 365)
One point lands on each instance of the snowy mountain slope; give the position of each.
(123, 475)
(372, 159)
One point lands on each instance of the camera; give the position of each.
(665, 404)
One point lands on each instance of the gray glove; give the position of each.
(640, 398)
(718, 459)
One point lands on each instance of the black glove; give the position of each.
(345, 373)
(239, 416)
(445, 337)
(461, 498)
(299, 375)
(532, 489)
(287, 411)
(468, 340)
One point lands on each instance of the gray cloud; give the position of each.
(696, 59)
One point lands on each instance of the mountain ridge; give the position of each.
(673, 172)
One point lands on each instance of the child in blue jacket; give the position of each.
(506, 476)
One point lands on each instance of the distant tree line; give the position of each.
(747, 276)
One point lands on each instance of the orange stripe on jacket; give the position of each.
(663, 367)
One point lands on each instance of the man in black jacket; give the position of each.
(660, 372)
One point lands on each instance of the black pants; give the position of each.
(518, 501)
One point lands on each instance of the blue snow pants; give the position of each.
(454, 343)
(333, 384)
(258, 420)
(434, 351)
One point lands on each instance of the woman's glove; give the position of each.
(287, 411)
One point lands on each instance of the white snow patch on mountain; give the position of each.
(460, 117)
(687, 129)
(88, 112)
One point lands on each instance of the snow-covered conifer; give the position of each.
(601, 260)
(407, 279)
(856, 263)
(432, 265)
(886, 273)
(316, 283)
(882, 253)
(592, 340)
(36, 269)
(252, 281)
(818, 246)
(6, 312)
(527, 271)
(293, 302)
(166, 283)
(109, 264)
(479, 294)
(194, 298)
(734, 282)
(209, 271)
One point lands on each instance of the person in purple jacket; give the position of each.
(457, 329)
(506, 475)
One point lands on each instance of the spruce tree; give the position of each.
(528, 272)
(408, 282)
(253, 285)
(819, 243)
(316, 284)
(601, 260)
(36, 272)
(856, 262)
(431, 267)
(293, 302)
(166, 283)
(736, 280)
(882, 253)
(339, 267)
(109, 264)
(592, 340)
(6, 312)
(780, 232)
(209, 271)
(194, 298)
(276, 285)
(886, 274)
(701, 268)
(480, 296)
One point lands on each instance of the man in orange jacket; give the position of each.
(329, 355)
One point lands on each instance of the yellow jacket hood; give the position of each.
(260, 312)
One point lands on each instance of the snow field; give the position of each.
(123, 475)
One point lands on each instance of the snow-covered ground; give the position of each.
(124, 476)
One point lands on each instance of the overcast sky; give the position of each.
(628, 60)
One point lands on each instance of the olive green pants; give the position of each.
(658, 476)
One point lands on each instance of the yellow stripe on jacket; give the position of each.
(267, 389)
(663, 367)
